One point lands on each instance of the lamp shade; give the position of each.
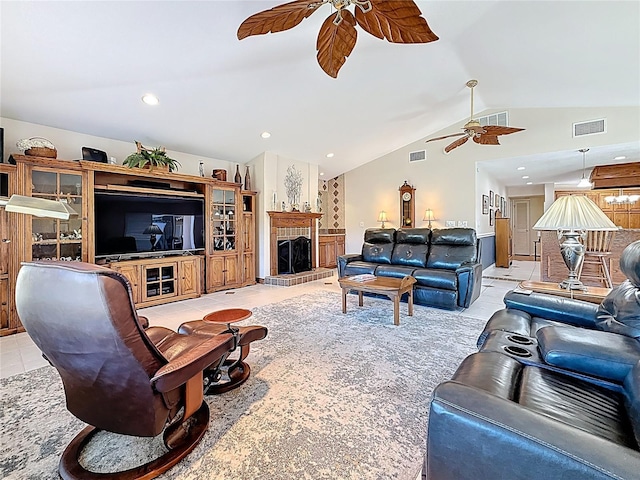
(574, 212)
(382, 217)
(40, 207)
(428, 215)
(152, 229)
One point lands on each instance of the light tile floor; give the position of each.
(19, 354)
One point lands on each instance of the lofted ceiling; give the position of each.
(84, 66)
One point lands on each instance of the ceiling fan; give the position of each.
(487, 135)
(398, 21)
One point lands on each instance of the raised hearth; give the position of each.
(289, 280)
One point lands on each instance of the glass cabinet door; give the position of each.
(223, 221)
(54, 239)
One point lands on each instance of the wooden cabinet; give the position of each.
(223, 265)
(624, 215)
(222, 272)
(225, 258)
(248, 247)
(504, 243)
(131, 270)
(9, 243)
(53, 239)
(160, 280)
(329, 248)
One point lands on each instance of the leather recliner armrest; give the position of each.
(498, 438)
(552, 307)
(344, 259)
(192, 361)
(469, 283)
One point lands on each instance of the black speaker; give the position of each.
(94, 155)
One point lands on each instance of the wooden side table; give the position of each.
(591, 294)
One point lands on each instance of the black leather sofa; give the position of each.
(553, 393)
(444, 262)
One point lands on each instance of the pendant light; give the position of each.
(584, 183)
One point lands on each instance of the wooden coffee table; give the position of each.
(393, 288)
(591, 294)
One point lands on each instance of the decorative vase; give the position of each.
(238, 177)
(247, 179)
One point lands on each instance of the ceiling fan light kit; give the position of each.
(397, 21)
(487, 135)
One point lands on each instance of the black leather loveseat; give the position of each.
(553, 393)
(444, 262)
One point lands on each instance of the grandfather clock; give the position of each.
(407, 205)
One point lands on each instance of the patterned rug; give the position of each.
(330, 396)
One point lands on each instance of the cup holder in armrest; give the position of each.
(517, 351)
(521, 339)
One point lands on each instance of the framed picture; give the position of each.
(492, 215)
(503, 206)
(496, 202)
(485, 204)
(491, 198)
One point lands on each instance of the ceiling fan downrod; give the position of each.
(471, 84)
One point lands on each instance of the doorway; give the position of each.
(521, 227)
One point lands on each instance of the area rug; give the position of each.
(331, 396)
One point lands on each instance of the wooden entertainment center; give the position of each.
(226, 259)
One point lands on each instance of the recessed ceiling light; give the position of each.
(150, 99)
(322, 174)
(521, 168)
(329, 155)
(265, 134)
(525, 176)
(621, 157)
(529, 183)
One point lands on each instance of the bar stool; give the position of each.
(597, 253)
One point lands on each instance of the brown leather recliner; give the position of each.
(117, 376)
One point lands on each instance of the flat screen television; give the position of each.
(125, 224)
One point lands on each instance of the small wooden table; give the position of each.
(393, 288)
(228, 316)
(591, 294)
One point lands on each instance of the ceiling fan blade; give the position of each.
(456, 144)
(446, 136)
(399, 21)
(277, 19)
(497, 130)
(335, 42)
(485, 139)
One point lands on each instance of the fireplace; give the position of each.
(293, 242)
(294, 255)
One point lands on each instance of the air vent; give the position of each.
(501, 119)
(417, 156)
(592, 127)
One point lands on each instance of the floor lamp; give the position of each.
(571, 216)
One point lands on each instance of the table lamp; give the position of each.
(571, 216)
(382, 217)
(428, 216)
(152, 230)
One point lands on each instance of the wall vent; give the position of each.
(592, 127)
(417, 156)
(501, 119)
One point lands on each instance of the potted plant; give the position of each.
(150, 158)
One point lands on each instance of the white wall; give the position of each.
(69, 146)
(449, 183)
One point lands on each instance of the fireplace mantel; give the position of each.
(291, 220)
